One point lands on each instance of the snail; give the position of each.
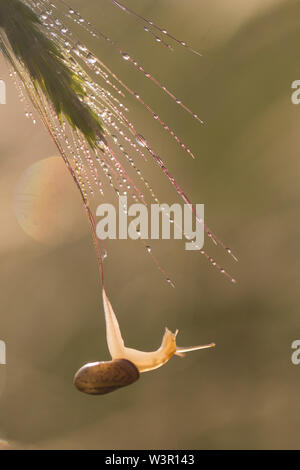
(98, 378)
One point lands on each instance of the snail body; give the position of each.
(98, 378)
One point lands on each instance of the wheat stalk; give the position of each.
(86, 120)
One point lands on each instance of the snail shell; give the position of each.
(98, 378)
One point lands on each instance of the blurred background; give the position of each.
(244, 394)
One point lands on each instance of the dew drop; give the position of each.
(140, 140)
(169, 281)
(81, 47)
(100, 143)
(91, 59)
(125, 56)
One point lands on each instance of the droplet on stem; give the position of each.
(140, 140)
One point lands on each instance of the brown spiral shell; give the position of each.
(98, 378)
